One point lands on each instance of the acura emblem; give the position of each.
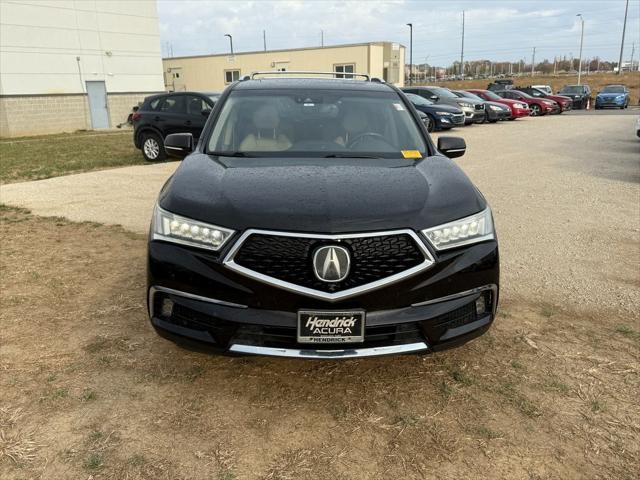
(331, 263)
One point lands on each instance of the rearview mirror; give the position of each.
(179, 144)
(452, 147)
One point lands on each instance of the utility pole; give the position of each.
(555, 65)
(533, 61)
(624, 28)
(633, 50)
(410, 25)
(264, 39)
(322, 38)
(581, 39)
(462, 49)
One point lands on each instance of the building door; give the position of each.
(97, 93)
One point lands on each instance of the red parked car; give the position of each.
(518, 109)
(538, 106)
(566, 103)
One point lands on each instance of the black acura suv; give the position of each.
(315, 218)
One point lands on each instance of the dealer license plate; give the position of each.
(331, 327)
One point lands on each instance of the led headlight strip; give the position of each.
(174, 228)
(473, 229)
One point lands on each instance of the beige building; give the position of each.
(214, 72)
(67, 65)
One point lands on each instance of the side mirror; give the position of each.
(452, 147)
(179, 144)
(205, 112)
(435, 98)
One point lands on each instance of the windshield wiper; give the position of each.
(231, 154)
(348, 155)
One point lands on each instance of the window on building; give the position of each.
(346, 68)
(231, 76)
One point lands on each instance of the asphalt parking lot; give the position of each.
(88, 390)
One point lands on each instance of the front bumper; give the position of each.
(520, 112)
(450, 121)
(218, 310)
(473, 116)
(610, 102)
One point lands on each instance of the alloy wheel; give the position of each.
(151, 148)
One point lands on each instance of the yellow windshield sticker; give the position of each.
(411, 154)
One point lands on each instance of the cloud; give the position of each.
(500, 30)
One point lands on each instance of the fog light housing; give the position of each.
(481, 305)
(166, 308)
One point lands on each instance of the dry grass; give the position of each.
(595, 81)
(89, 390)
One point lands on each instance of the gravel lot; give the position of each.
(564, 192)
(89, 391)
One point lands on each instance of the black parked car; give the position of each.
(493, 111)
(315, 218)
(167, 113)
(441, 117)
(473, 109)
(580, 94)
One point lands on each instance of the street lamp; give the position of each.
(410, 25)
(581, 39)
(230, 42)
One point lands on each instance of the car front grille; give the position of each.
(289, 258)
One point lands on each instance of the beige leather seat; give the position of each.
(354, 123)
(266, 137)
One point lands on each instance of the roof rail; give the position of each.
(300, 72)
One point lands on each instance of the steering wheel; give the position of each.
(359, 138)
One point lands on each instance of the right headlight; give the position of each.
(174, 228)
(473, 229)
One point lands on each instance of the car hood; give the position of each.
(440, 107)
(610, 95)
(320, 195)
(472, 101)
(558, 98)
(497, 104)
(573, 95)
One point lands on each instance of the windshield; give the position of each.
(492, 96)
(571, 89)
(316, 123)
(418, 100)
(443, 92)
(613, 89)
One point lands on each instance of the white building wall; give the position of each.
(117, 41)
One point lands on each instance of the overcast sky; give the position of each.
(496, 30)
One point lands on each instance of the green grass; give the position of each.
(48, 156)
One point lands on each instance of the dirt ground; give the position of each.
(88, 390)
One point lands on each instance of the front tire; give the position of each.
(535, 110)
(431, 126)
(153, 147)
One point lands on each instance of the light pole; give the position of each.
(581, 39)
(230, 42)
(624, 29)
(410, 25)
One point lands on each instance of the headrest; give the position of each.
(266, 117)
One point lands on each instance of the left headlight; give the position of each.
(495, 108)
(473, 229)
(174, 228)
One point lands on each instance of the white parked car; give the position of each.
(545, 88)
(638, 127)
